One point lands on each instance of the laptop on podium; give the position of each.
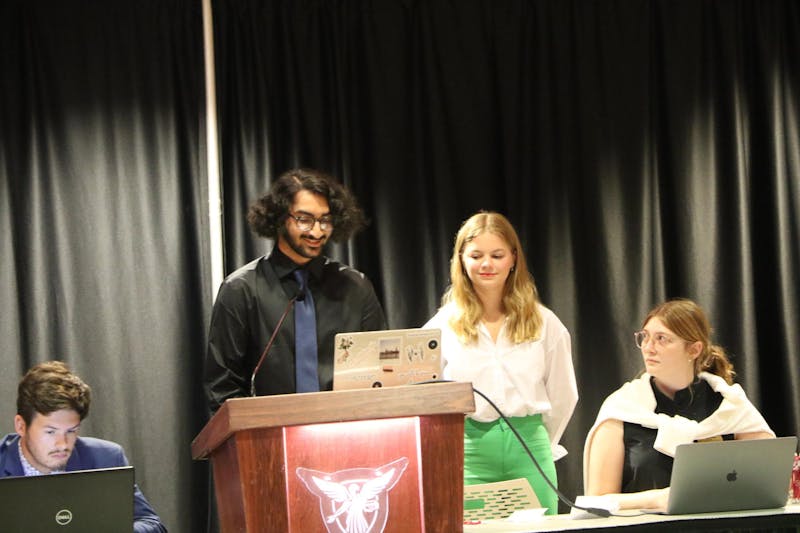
(733, 475)
(82, 501)
(386, 358)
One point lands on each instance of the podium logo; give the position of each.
(354, 500)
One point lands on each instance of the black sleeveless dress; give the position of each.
(646, 468)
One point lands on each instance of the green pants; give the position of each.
(492, 453)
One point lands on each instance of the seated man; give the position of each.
(51, 403)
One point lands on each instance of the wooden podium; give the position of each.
(373, 460)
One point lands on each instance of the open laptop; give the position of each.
(734, 475)
(80, 502)
(386, 358)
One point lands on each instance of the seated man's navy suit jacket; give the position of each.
(88, 454)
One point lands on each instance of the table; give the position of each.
(767, 519)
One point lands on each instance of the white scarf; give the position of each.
(635, 402)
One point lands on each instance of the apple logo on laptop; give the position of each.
(731, 476)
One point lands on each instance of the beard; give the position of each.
(298, 245)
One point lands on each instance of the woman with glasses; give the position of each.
(685, 394)
(497, 335)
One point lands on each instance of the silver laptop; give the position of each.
(386, 358)
(734, 475)
(80, 502)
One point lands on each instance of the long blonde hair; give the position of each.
(520, 297)
(689, 322)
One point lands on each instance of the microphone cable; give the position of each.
(603, 513)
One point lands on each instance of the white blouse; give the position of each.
(521, 379)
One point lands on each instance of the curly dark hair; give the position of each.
(268, 214)
(50, 387)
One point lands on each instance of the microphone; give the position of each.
(300, 295)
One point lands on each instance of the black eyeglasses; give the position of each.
(306, 222)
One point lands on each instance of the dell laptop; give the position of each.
(83, 501)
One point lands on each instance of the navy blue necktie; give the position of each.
(305, 337)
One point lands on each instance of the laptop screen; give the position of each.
(734, 475)
(79, 502)
(386, 358)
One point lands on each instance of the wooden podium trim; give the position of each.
(239, 414)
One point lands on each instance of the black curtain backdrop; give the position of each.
(643, 149)
(103, 231)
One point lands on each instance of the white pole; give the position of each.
(214, 197)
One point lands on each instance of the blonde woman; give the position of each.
(686, 394)
(497, 335)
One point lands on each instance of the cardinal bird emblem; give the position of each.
(354, 500)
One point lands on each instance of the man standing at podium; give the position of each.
(316, 296)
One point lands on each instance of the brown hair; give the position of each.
(520, 298)
(50, 387)
(267, 215)
(688, 320)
